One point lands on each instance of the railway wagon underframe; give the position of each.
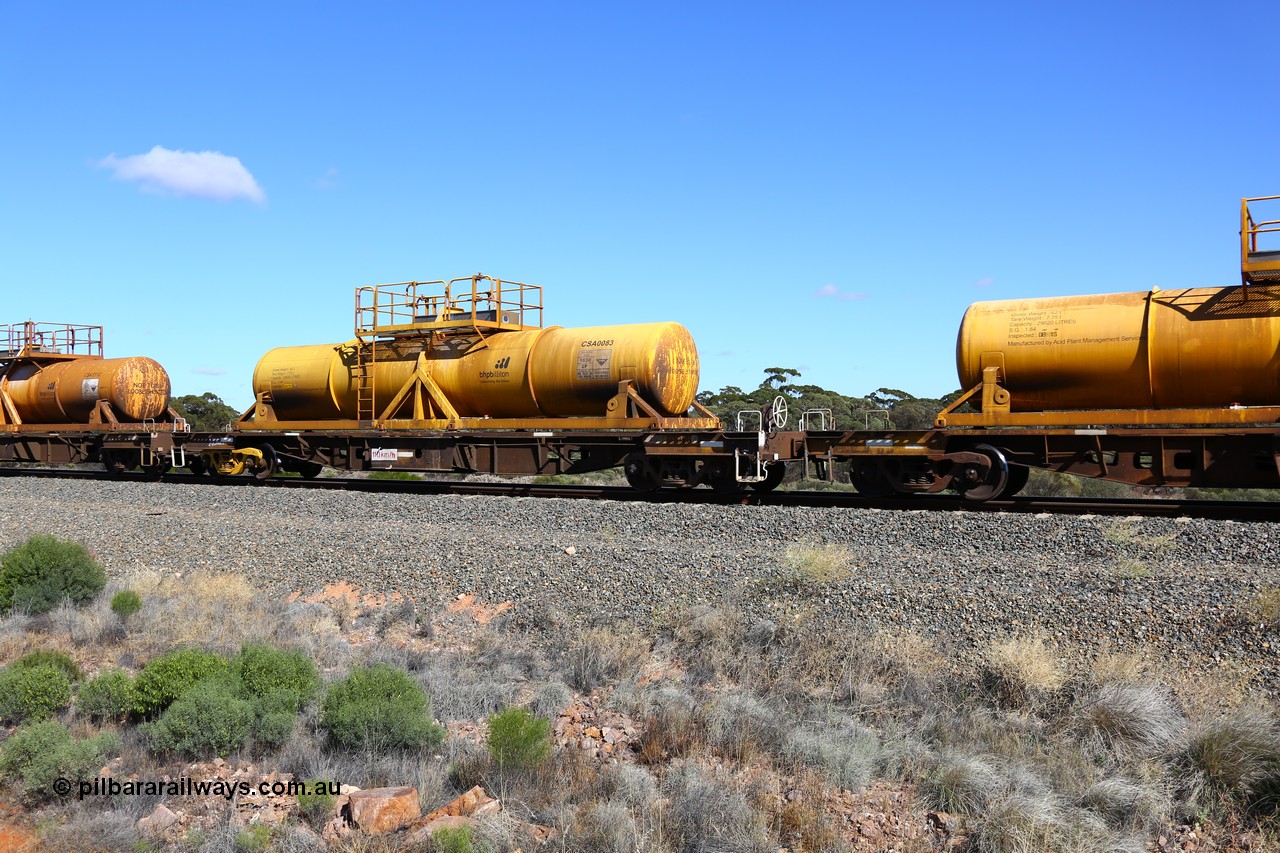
(989, 463)
(152, 447)
(650, 460)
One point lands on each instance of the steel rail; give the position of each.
(1168, 507)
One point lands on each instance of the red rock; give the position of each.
(474, 802)
(380, 810)
(158, 821)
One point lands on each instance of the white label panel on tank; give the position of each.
(89, 389)
(594, 363)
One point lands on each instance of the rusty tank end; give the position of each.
(549, 372)
(68, 391)
(1165, 349)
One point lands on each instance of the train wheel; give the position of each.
(774, 473)
(976, 485)
(197, 466)
(1018, 477)
(640, 476)
(113, 463)
(869, 480)
(270, 464)
(157, 468)
(308, 470)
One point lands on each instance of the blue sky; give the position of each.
(817, 186)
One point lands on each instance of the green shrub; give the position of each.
(286, 679)
(255, 839)
(170, 676)
(457, 839)
(315, 801)
(51, 657)
(40, 753)
(379, 707)
(125, 603)
(37, 575)
(33, 693)
(207, 717)
(518, 739)
(108, 695)
(273, 728)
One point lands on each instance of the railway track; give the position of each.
(1223, 510)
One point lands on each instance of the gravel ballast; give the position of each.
(1184, 590)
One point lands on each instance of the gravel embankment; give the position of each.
(1181, 587)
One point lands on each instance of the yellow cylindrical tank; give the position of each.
(67, 391)
(552, 372)
(1166, 349)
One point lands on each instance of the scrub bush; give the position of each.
(169, 676)
(33, 692)
(125, 603)
(39, 574)
(50, 657)
(38, 754)
(109, 695)
(315, 801)
(518, 739)
(378, 707)
(209, 717)
(287, 680)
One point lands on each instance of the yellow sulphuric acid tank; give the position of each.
(551, 372)
(66, 392)
(1167, 349)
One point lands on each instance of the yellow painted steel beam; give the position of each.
(482, 425)
(1139, 417)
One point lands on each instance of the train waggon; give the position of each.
(61, 401)
(1163, 388)
(461, 376)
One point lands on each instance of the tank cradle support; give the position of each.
(995, 412)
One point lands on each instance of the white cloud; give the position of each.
(208, 371)
(831, 290)
(984, 282)
(197, 174)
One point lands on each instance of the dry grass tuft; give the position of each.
(1111, 667)
(1023, 670)
(959, 784)
(601, 656)
(214, 611)
(1125, 533)
(801, 822)
(818, 563)
(1264, 608)
(740, 725)
(671, 728)
(707, 812)
(1132, 718)
(844, 750)
(1235, 759)
(1017, 822)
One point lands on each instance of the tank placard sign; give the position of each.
(594, 363)
(89, 389)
